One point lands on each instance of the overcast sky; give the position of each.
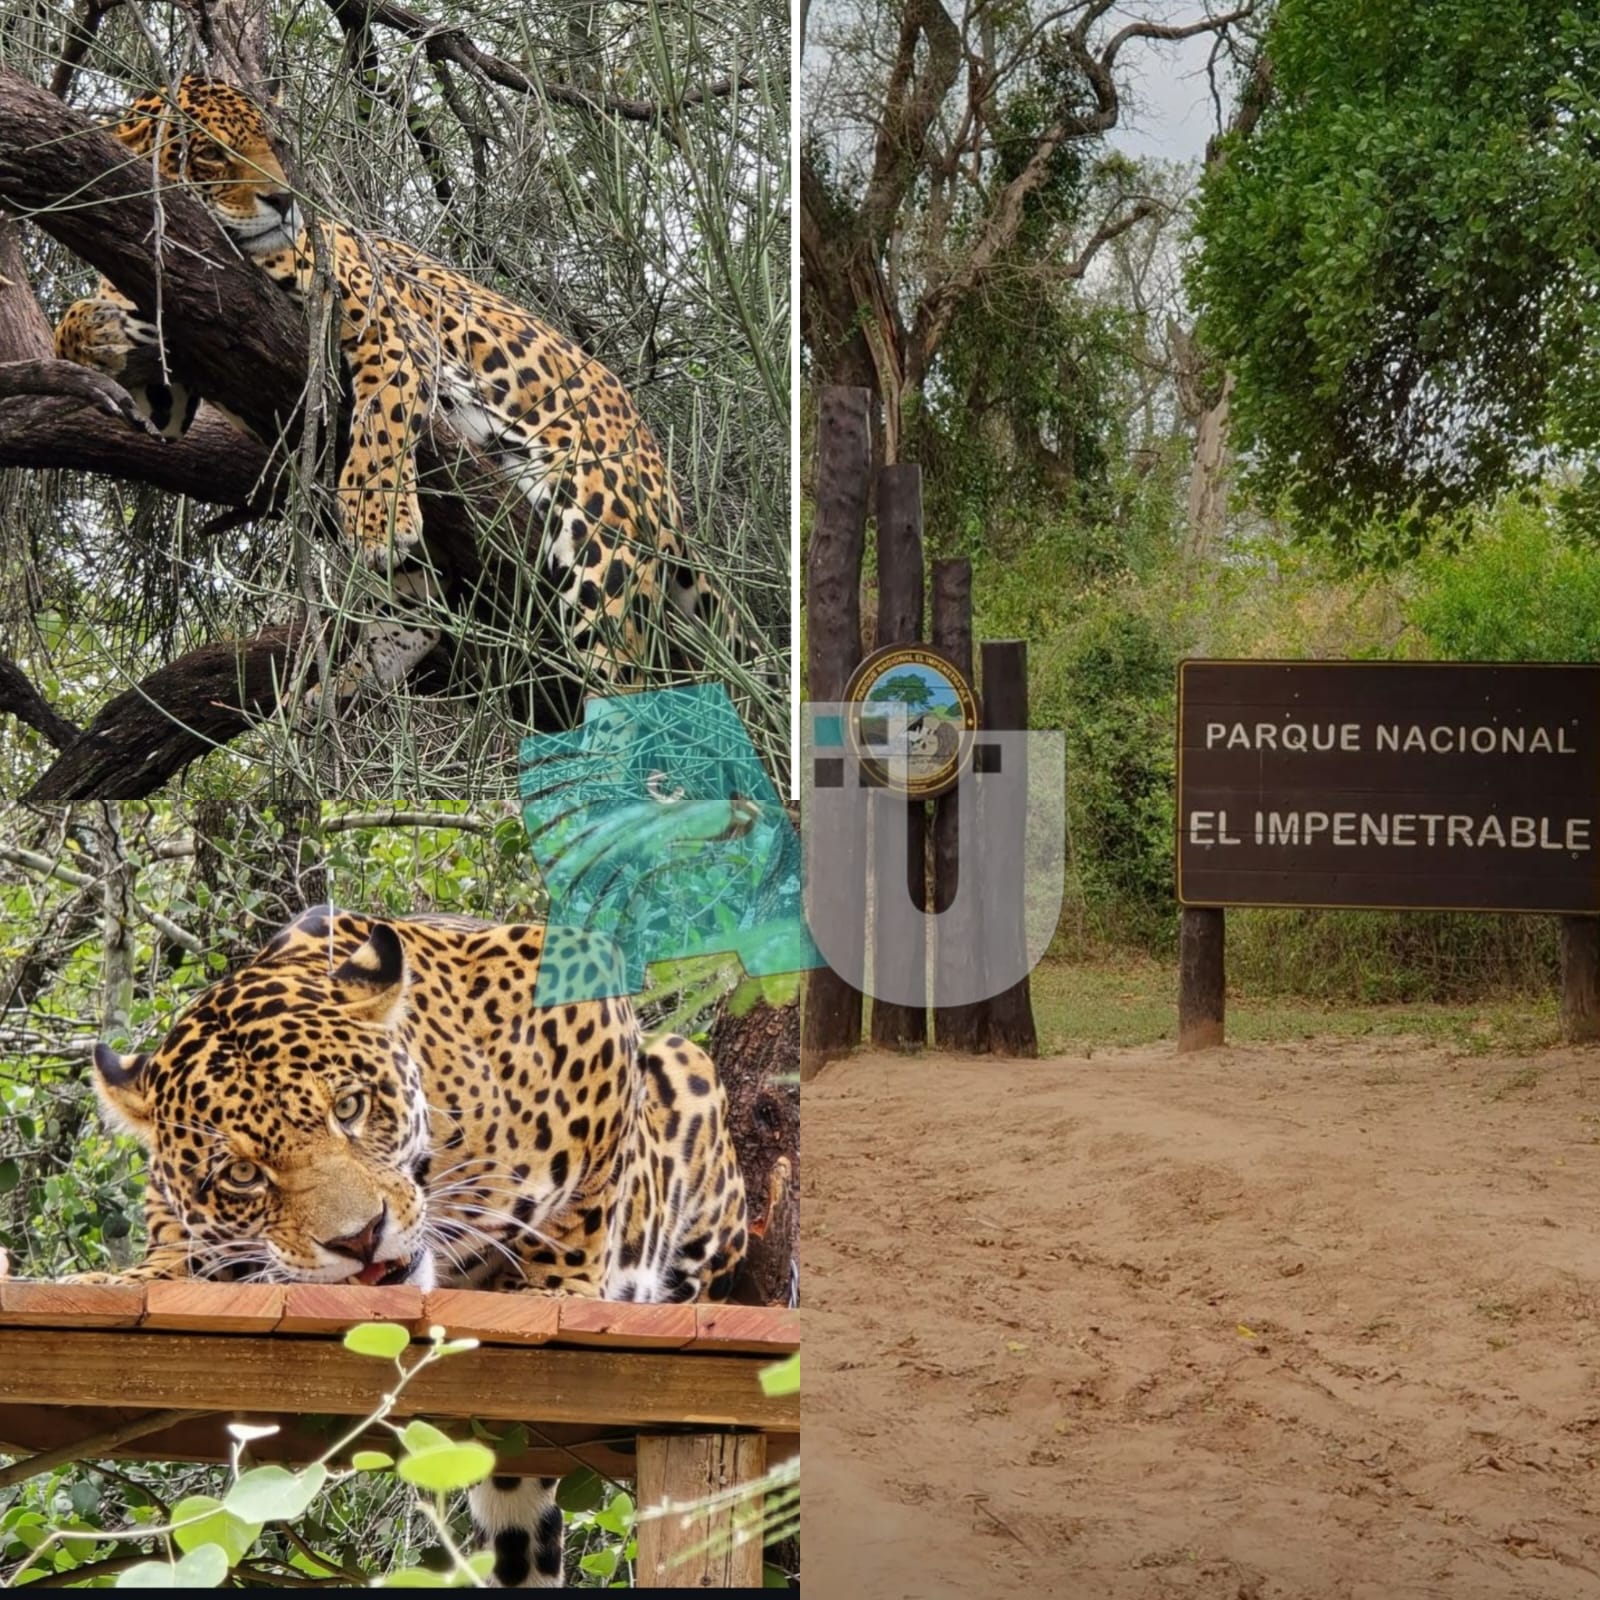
(1168, 114)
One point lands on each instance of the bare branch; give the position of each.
(139, 739)
(46, 867)
(911, 102)
(469, 822)
(22, 700)
(441, 42)
(75, 46)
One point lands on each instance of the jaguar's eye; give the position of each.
(243, 1175)
(348, 1107)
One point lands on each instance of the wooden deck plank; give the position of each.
(626, 1325)
(29, 1430)
(214, 1307)
(333, 1307)
(771, 1330)
(71, 1305)
(255, 1372)
(493, 1318)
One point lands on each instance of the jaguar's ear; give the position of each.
(123, 1091)
(372, 983)
(139, 123)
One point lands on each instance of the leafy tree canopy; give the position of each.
(1400, 262)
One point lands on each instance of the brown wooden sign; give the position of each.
(1392, 785)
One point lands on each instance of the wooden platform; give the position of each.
(80, 1362)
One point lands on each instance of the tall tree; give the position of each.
(1399, 259)
(933, 147)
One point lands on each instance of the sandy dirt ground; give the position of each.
(1315, 1320)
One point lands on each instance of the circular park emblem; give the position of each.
(911, 719)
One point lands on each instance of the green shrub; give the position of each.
(1524, 587)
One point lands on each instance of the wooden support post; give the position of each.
(900, 598)
(681, 1469)
(1003, 816)
(957, 938)
(830, 1019)
(1202, 978)
(1580, 979)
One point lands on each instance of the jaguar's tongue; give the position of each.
(379, 1272)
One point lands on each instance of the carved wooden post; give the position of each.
(958, 941)
(900, 622)
(830, 1024)
(1009, 1024)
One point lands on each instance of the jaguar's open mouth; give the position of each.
(381, 1274)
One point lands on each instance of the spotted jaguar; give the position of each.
(383, 1101)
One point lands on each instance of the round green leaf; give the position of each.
(272, 1494)
(200, 1520)
(448, 1466)
(617, 1516)
(602, 1563)
(204, 1568)
(411, 1578)
(370, 1461)
(782, 1378)
(147, 1575)
(581, 1490)
(420, 1435)
(382, 1339)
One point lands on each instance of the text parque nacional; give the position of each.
(1482, 739)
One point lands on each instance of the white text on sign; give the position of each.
(1395, 829)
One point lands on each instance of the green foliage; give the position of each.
(1378, 958)
(1119, 667)
(783, 1377)
(1525, 588)
(1399, 261)
(230, 1535)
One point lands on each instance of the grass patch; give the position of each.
(1134, 1002)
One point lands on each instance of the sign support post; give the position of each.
(1202, 979)
(1580, 979)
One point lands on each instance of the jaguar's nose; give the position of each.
(363, 1246)
(280, 200)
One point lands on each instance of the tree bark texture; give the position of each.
(831, 1021)
(755, 1056)
(1003, 815)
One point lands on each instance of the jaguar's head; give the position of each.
(285, 1121)
(213, 137)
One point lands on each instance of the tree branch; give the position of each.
(22, 700)
(139, 739)
(911, 103)
(441, 42)
(45, 867)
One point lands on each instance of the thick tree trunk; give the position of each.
(1208, 484)
(900, 609)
